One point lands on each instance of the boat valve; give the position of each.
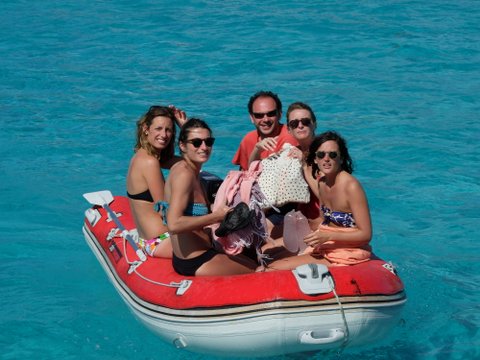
(180, 342)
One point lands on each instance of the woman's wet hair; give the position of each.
(145, 122)
(346, 162)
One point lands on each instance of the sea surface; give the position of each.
(399, 79)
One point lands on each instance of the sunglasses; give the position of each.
(197, 142)
(293, 124)
(321, 154)
(262, 115)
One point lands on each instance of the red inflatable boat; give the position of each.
(261, 314)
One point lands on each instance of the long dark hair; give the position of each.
(146, 121)
(346, 163)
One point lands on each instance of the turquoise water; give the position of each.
(400, 80)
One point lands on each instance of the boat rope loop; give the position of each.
(112, 234)
(181, 286)
(116, 233)
(342, 311)
(316, 279)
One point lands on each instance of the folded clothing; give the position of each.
(342, 253)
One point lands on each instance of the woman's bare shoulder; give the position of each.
(181, 170)
(142, 158)
(350, 183)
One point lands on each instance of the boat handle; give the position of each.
(334, 335)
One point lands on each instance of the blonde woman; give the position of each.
(154, 150)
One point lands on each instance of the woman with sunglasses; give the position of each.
(345, 232)
(301, 123)
(188, 211)
(154, 150)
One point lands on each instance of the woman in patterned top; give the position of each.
(346, 230)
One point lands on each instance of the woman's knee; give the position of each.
(164, 249)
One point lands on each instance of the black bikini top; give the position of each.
(144, 195)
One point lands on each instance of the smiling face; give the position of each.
(199, 154)
(265, 116)
(160, 132)
(297, 128)
(325, 159)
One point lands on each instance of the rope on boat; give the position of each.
(178, 285)
(342, 311)
(182, 286)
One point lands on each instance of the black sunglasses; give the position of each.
(261, 115)
(197, 142)
(293, 124)
(321, 154)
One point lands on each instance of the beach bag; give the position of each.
(281, 180)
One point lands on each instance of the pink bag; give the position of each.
(295, 228)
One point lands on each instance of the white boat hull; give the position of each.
(264, 329)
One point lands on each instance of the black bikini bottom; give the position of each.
(188, 267)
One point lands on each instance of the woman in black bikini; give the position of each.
(188, 213)
(154, 150)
